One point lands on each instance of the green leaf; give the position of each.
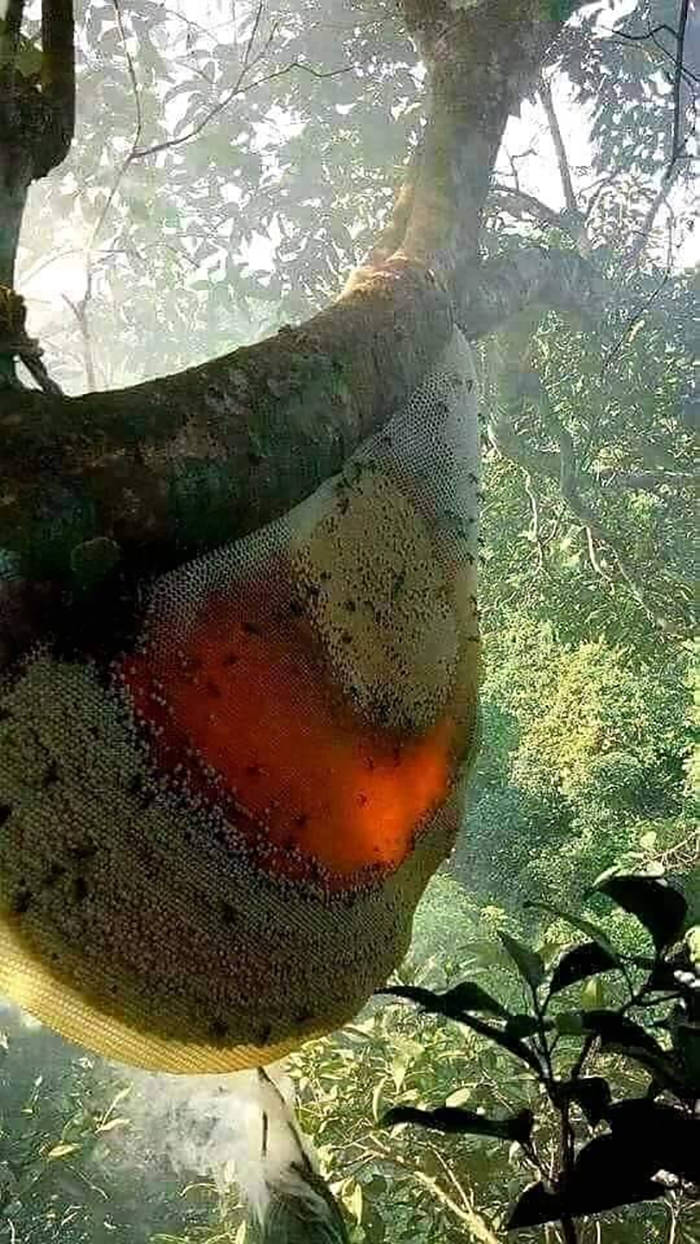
(524, 1025)
(686, 1042)
(435, 1003)
(591, 1093)
(584, 926)
(620, 1032)
(536, 1205)
(658, 1136)
(570, 1023)
(456, 1121)
(579, 963)
(502, 1037)
(624, 1036)
(529, 964)
(61, 1151)
(657, 905)
(453, 1003)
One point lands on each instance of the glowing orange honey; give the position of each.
(250, 701)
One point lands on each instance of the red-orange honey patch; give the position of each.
(247, 699)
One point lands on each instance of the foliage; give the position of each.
(585, 763)
(657, 1131)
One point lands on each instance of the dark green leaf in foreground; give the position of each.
(524, 1025)
(657, 905)
(605, 1175)
(658, 1136)
(579, 963)
(453, 1003)
(591, 1093)
(453, 1006)
(453, 1119)
(536, 1205)
(529, 964)
(624, 1036)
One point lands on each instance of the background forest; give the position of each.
(231, 165)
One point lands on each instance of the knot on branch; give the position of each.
(15, 341)
(14, 338)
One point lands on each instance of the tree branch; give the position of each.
(9, 39)
(647, 224)
(545, 92)
(481, 61)
(677, 141)
(495, 291)
(58, 71)
(516, 201)
(257, 429)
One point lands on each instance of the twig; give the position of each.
(137, 131)
(235, 90)
(659, 198)
(80, 312)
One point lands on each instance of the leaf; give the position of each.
(109, 1126)
(435, 1003)
(453, 1003)
(579, 963)
(584, 926)
(534, 1206)
(524, 1025)
(593, 994)
(61, 1151)
(607, 1174)
(624, 1036)
(354, 1202)
(529, 964)
(569, 1023)
(503, 1038)
(658, 1136)
(591, 1093)
(657, 905)
(686, 1042)
(376, 1097)
(456, 1121)
(620, 1032)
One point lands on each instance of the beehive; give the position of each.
(211, 849)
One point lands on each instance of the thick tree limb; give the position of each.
(258, 428)
(567, 184)
(481, 61)
(247, 435)
(168, 468)
(58, 72)
(517, 201)
(528, 277)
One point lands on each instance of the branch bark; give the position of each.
(249, 434)
(559, 147)
(256, 430)
(481, 61)
(58, 73)
(169, 468)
